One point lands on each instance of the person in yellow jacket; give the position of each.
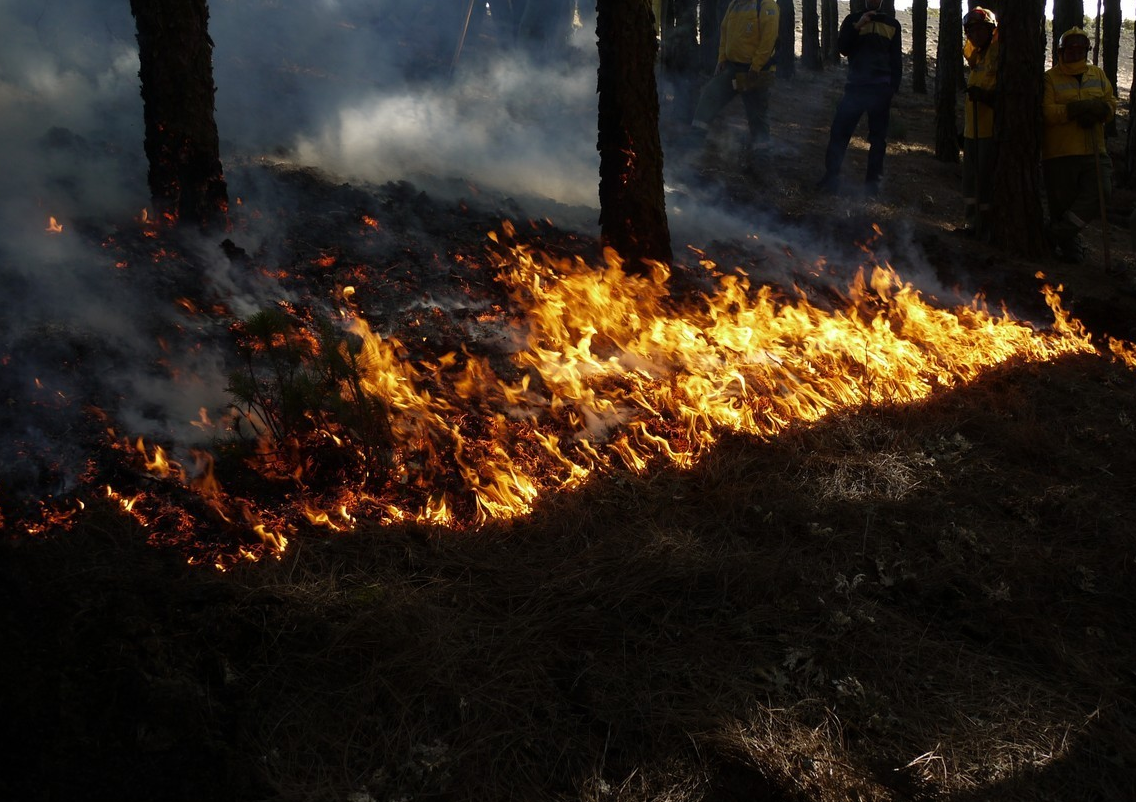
(978, 144)
(747, 53)
(1078, 101)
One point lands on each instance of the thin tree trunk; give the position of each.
(1110, 55)
(710, 32)
(181, 143)
(786, 40)
(1018, 218)
(1066, 14)
(948, 75)
(679, 59)
(919, 46)
(633, 218)
(829, 28)
(810, 36)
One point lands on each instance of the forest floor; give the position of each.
(930, 601)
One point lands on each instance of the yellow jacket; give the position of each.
(749, 33)
(1065, 83)
(984, 74)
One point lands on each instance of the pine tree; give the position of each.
(181, 141)
(633, 218)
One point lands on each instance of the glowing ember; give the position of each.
(53, 226)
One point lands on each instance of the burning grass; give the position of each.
(746, 542)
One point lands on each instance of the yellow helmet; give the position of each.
(980, 16)
(1072, 33)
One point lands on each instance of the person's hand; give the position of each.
(864, 20)
(1081, 112)
(720, 67)
(1100, 109)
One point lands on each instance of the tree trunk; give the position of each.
(1018, 218)
(175, 53)
(710, 33)
(679, 59)
(919, 46)
(1066, 14)
(1110, 55)
(810, 36)
(829, 28)
(786, 40)
(633, 218)
(948, 75)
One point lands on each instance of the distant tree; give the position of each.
(679, 60)
(1018, 216)
(810, 36)
(919, 46)
(1110, 47)
(710, 32)
(1066, 14)
(949, 76)
(829, 28)
(633, 218)
(786, 40)
(175, 57)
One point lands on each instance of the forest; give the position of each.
(393, 412)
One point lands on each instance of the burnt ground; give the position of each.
(926, 602)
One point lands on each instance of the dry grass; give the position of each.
(929, 602)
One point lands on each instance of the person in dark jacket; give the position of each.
(872, 42)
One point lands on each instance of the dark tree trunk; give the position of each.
(919, 46)
(679, 60)
(1110, 51)
(829, 28)
(176, 68)
(710, 32)
(633, 218)
(786, 40)
(810, 36)
(1018, 218)
(1066, 14)
(948, 75)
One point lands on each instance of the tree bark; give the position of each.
(810, 36)
(948, 74)
(710, 32)
(786, 40)
(1110, 51)
(829, 28)
(919, 46)
(1018, 222)
(679, 59)
(1066, 14)
(633, 219)
(175, 53)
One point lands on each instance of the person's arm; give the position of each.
(769, 17)
(849, 35)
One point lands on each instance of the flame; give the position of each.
(53, 226)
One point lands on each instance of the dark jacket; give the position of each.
(875, 52)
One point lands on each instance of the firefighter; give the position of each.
(747, 53)
(1078, 101)
(978, 144)
(873, 44)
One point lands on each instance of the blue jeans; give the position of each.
(875, 101)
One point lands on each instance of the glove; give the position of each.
(752, 81)
(1101, 111)
(1082, 112)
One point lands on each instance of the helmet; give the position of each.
(980, 16)
(1071, 35)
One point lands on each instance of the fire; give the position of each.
(615, 374)
(53, 226)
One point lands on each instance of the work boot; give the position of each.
(829, 184)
